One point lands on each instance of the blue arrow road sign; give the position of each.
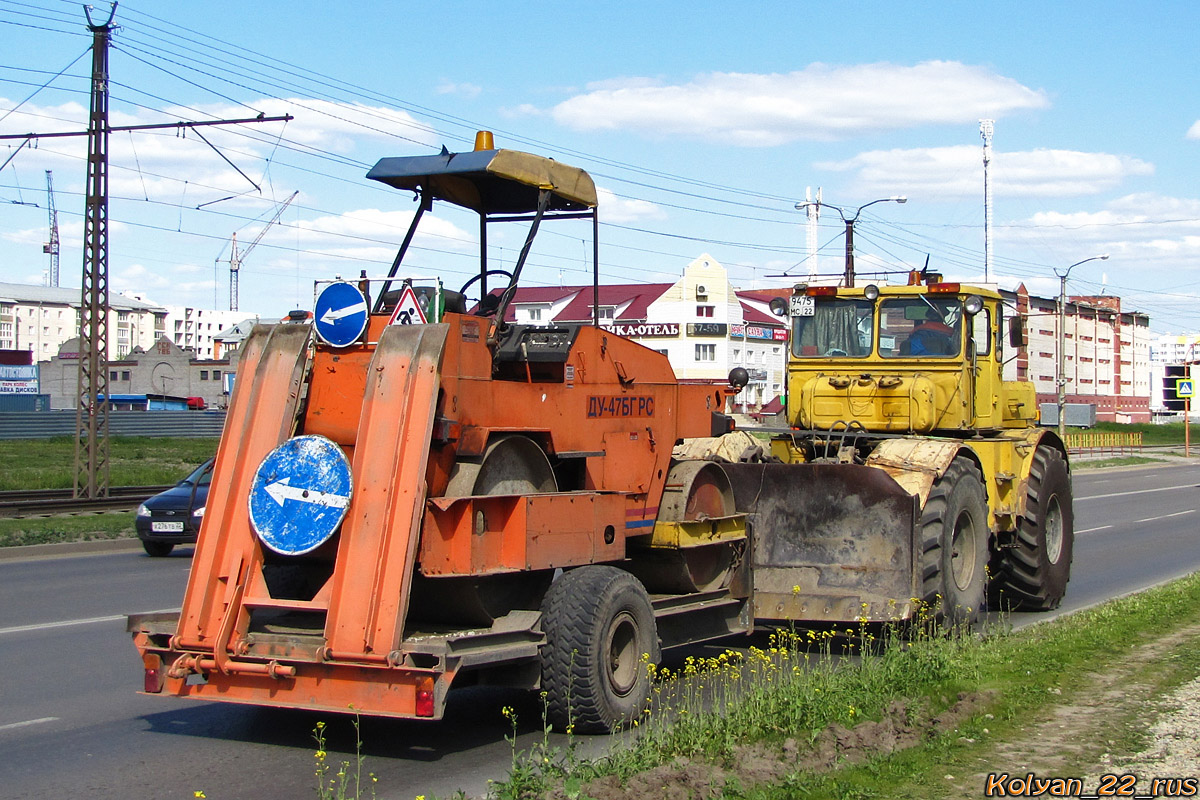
(300, 494)
(340, 314)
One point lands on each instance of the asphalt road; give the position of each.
(72, 725)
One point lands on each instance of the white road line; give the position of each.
(66, 623)
(1139, 491)
(1090, 530)
(27, 723)
(1168, 516)
(61, 624)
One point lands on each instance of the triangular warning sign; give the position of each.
(408, 310)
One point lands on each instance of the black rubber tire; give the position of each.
(600, 629)
(1033, 575)
(157, 549)
(954, 541)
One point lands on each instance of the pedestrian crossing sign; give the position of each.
(1184, 387)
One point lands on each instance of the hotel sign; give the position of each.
(646, 330)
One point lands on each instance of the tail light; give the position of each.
(152, 682)
(425, 697)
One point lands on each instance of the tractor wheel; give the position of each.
(954, 535)
(158, 549)
(600, 631)
(1033, 575)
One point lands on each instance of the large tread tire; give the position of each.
(1033, 575)
(954, 541)
(600, 636)
(157, 549)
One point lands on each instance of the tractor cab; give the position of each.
(921, 358)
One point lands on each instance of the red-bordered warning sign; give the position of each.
(408, 310)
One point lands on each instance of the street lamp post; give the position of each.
(1061, 373)
(849, 276)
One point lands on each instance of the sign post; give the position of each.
(1185, 389)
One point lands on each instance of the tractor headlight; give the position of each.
(974, 304)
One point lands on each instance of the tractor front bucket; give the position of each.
(830, 542)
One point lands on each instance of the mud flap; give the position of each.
(830, 542)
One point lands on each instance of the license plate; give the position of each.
(166, 527)
(803, 305)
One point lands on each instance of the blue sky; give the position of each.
(702, 125)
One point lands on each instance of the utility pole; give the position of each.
(91, 413)
(1061, 376)
(848, 279)
(51, 247)
(986, 127)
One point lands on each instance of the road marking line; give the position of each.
(61, 624)
(69, 622)
(1168, 516)
(1139, 491)
(27, 723)
(1090, 530)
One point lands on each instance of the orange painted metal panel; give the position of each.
(373, 572)
(262, 414)
(323, 687)
(336, 393)
(512, 533)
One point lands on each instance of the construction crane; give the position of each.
(51, 247)
(236, 257)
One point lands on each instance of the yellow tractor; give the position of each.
(907, 382)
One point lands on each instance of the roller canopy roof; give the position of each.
(490, 181)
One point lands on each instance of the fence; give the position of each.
(44, 424)
(1098, 443)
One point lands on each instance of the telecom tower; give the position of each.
(813, 211)
(986, 126)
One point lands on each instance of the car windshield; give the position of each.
(836, 327)
(200, 476)
(920, 326)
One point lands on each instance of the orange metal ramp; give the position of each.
(262, 413)
(373, 576)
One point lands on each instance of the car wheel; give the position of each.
(158, 549)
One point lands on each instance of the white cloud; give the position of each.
(819, 102)
(371, 227)
(1140, 232)
(941, 172)
(467, 90)
(614, 208)
(138, 278)
(1194, 131)
(324, 124)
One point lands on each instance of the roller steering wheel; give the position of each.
(481, 310)
(468, 284)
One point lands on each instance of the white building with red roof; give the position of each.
(700, 322)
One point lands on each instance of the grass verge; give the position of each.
(1117, 461)
(133, 461)
(781, 722)
(49, 530)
